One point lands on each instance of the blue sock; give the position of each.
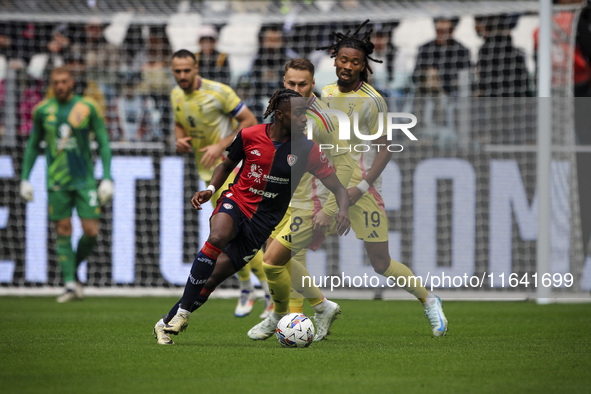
(200, 271)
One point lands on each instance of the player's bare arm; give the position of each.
(333, 184)
(183, 142)
(245, 119)
(220, 174)
(378, 166)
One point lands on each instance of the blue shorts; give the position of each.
(249, 235)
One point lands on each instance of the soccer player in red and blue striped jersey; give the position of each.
(275, 156)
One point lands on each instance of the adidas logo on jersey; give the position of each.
(255, 152)
(374, 234)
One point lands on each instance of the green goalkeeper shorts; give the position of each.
(62, 202)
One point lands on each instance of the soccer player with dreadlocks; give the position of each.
(275, 156)
(353, 95)
(284, 261)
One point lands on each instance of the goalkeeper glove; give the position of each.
(105, 191)
(26, 190)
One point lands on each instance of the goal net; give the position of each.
(461, 201)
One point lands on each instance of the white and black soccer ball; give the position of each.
(295, 330)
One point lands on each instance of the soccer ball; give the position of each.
(295, 330)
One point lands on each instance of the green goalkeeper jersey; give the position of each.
(66, 129)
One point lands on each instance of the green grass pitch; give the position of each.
(104, 345)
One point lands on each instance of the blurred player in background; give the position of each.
(292, 238)
(65, 122)
(352, 94)
(275, 156)
(207, 116)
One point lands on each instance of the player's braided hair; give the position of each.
(361, 43)
(278, 97)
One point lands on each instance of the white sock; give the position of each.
(319, 308)
(70, 285)
(246, 285)
(265, 287)
(183, 310)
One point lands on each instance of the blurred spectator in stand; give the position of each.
(133, 50)
(246, 90)
(268, 65)
(442, 61)
(500, 69)
(157, 77)
(19, 41)
(138, 118)
(58, 46)
(29, 98)
(213, 64)
(442, 69)
(383, 73)
(502, 78)
(101, 60)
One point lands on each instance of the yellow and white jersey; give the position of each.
(311, 193)
(208, 115)
(368, 105)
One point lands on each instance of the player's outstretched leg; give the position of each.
(434, 313)
(202, 268)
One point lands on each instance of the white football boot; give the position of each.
(162, 337)
(178, 323)
(325, 319)
(434, 313)
(264, 329)
(245, 303)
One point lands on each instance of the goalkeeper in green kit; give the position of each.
(65, 122)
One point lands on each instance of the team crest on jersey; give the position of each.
(323, 157)
(256, 172)
(228, 205)
(291, 160)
